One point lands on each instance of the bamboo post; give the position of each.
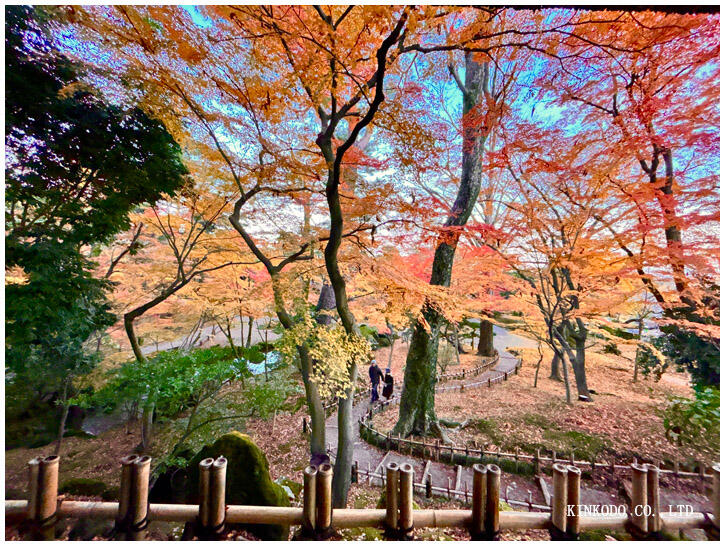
(138, 507)
(204, 486)
(33, 475)
(479, 501)
(559, 501)
(573, 480)
(47, 496)
(716, 501)
(638, 516)
(391, 497)
(654, 523)
(493, 492)
(217, 496)
(323, 518)
(308, 499)
(355, 472)
(124, 492)
(405, 522)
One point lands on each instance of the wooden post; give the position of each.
(573, 479)
(493, 491)
(391, 497)
(47, 497)
(355, 472)
(204, 495)
(716, 497)
(489, 382)
(428, 486)
(217, 496)
(308, 499)
(323, 498)
(537, 462)
(124, 493)
(701, 470)
(505, 376)
(654, 523)
(479, 501)
(559, 500)
(406, 499)
(304, 425)
(33, 498)
(139, 499)
(638, 515)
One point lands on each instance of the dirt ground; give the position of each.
(623, 421)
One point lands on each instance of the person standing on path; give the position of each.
(376, 374)
(388, 388)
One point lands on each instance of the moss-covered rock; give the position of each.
(85, 487)
(248, 480)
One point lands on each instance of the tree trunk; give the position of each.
(580, 375)
(131, 333)
(392, 346)
(455, 335)
(147, 427)
(555, 370)
(485, 340)
(345, 446)
(63, 417)
(241, 330)
(249, 332)
(579, 363)
(318, 447)
(417, 406)
(640, 325)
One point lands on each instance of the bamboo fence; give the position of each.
(317, 518)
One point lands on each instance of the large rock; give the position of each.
(248, 480)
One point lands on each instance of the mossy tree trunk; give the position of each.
(417, 406)
(485, 340)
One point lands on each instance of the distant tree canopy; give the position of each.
(75, 167)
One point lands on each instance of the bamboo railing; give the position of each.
(317, 517)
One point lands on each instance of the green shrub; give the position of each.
(695, 422)
(611, 348)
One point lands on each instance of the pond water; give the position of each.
(271, 361)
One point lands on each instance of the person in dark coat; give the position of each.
(376, 374)
(388, 388)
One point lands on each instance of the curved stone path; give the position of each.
(373, 459)
(518, 490)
